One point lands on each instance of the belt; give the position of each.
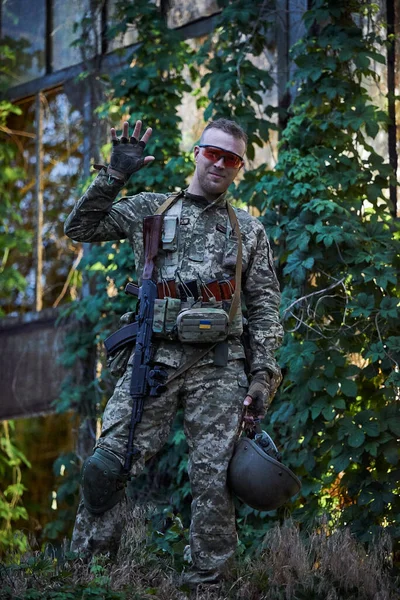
(220, 289)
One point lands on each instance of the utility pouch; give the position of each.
(160, 307)
(202, 325)
(171, 315)
(170, 240)
(118, 362)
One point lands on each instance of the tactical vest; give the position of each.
(195, 311)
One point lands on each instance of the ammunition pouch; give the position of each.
(119, 345)
(118, 362)
(103, 481)
(208, 323)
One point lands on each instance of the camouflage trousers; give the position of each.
(212, 400)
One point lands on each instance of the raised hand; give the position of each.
(127, 154)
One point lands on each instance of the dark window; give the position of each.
(124, 39)
(66, 15)
(62, 168)
(23, 24)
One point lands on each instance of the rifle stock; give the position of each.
(152, 230)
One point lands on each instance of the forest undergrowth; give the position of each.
(321, 564)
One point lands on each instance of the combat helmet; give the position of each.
(257, 476)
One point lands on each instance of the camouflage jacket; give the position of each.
(205, 251)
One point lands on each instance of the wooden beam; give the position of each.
(38, 250)
(290, 29)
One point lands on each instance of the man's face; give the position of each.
(214, 177)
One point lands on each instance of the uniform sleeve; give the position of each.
(262, 298)
(96, 218)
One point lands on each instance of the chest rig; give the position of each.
(206, 321)
(196, 311)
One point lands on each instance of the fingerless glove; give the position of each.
(259, 392)
(126, 158)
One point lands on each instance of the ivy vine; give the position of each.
(13, 241)
(327, 211)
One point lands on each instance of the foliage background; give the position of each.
(326, 210)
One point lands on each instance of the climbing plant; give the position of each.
(14, 240)
(327, 211)
(238, 75)
(12, 511)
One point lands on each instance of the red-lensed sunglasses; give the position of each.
(214, 153)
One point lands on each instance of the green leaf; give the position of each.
(389, 307)
(394, 425)
(372, 448)
(391, 453)
(375, 352)
(316, 384)
(317, 407)
(303, 416)
(393, 343)
(372, 428)
(339, 402)
(363, 305)
(340, 463)
(377, 505)
(329, 413)
(332, 388)
(372, 128)
(356, 438)
(348, 387)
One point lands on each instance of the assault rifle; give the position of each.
(146, 380)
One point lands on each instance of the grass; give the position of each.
(290, 565)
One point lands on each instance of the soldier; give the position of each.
(199, 246)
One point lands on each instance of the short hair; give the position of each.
(229, 127)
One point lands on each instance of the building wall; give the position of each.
(30, 372)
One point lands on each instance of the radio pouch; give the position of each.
(160, 306)
(173, 309)
(170, 233)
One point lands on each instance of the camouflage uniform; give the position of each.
(212, 397)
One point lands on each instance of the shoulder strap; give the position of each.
(168, 203)
(238, 271)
